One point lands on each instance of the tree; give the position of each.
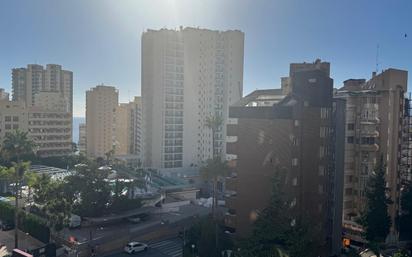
(214, 123)
(375, 219)
(109, 156)
(30, 178)
(15, 145)
(277, 232)
(203, 236)
(405, 221)
(89, 190)
(49, 195)
(214, 169)
(401, 253)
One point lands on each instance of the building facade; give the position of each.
(28, 82)
(374, 125)
(187, 75)
(128, 128)
(101, 104)
(297, 133)
(50, 129)
(136, 127)
(81, 145)
(3, 94)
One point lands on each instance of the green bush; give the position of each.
(123, 203)
(28, 223)
(6, 212)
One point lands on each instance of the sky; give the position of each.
(100, 40)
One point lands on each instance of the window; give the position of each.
(7, 118)
(321, 151)
(293, 202)
(296, 123)
(323, 132)
(324, 113)
(350, 140)
(351, 126)
(367, 140)
(16, 118)
(15, 126)
(295, 181)
(295, 162)
(7, 126)
(320, 189)
(321, 171)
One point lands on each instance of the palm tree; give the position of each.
(15, 145)
(214, 123)
(109, 156)
(214, 169)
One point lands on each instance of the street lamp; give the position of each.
(193, 250)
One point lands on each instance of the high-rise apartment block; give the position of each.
(101, 104)
(49, 128)
(3, 94)
(29, 82)
(300, 133)
(42, 105)
(128, 132)
(81, 145)
(129, 128)
(187, 75)
(374, 125)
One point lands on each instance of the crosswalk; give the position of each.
(172, 247)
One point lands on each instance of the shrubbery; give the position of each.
(27, 222)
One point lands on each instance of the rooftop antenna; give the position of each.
(377, 58)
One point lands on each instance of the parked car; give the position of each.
(138, 218)
(135, 247)
(134, 219)
(75, 221)
(6, 225)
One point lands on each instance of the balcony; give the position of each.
(231, 139)
(230, 193)
(230, 230)
(370, 147)
(230, 212)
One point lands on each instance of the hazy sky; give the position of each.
(99, 40)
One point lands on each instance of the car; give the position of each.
(139, 218)
(6, 226)
(134, 219)
(135, 247)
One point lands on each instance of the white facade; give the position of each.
(187, 75)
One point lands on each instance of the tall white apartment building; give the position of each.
(136, 126)
(28, 82)
(187, 75)
(101, 104)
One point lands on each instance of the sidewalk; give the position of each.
(25, 240)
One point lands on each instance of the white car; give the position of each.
(135, 247)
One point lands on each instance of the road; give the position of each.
(165, 248)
